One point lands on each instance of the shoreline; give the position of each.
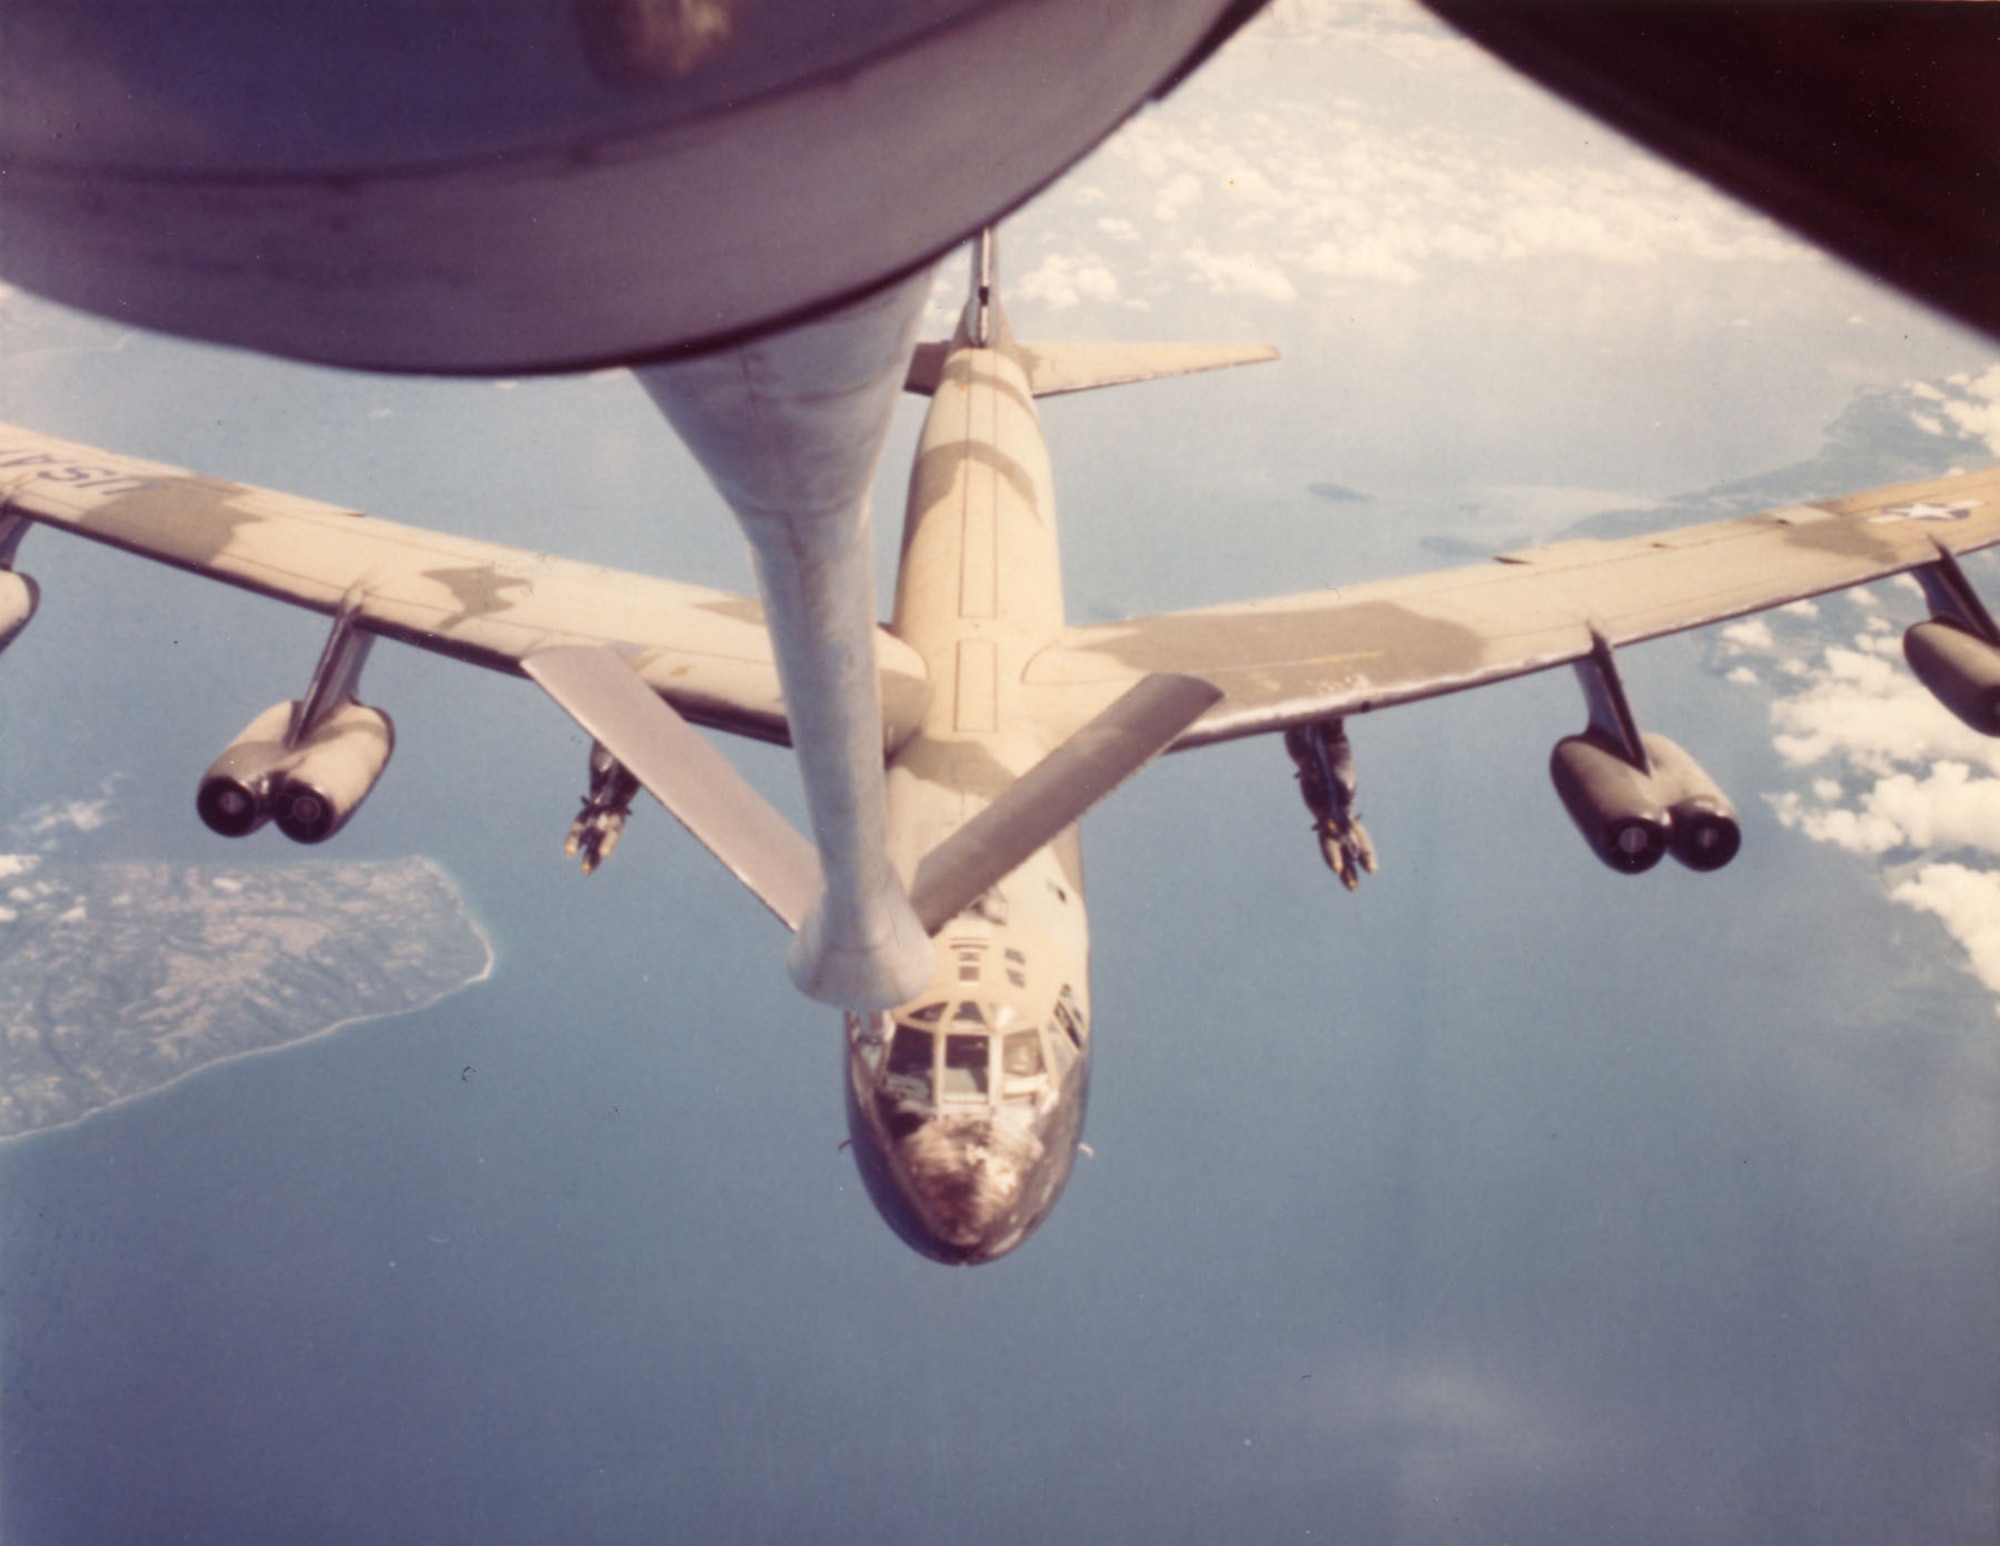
(226, 1059)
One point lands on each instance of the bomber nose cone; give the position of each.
(969, 1178)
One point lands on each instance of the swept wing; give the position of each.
(1297, 659)
(707, 652)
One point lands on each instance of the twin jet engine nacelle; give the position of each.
(1961, 670)
(309, 787)
(1632, 817)
(19, 596)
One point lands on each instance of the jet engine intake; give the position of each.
(333, 772)
(1632, 818)
(310, 788)
(1614, 805)
(1706, 834)
(1961, 670)
(234, 797)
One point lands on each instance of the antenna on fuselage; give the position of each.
(985, 275)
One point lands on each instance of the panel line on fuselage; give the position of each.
(966, 1160)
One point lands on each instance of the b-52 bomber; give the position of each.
(945, 913)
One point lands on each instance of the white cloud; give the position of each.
(1240, 274)
(1062, 281)
(1976, 408)
(1377, 255)
(1945, 808)
(47, 825)
(1296, 143)
(1864, 709)
(1967, 902)
(75, 816)
(1180, 194)
(1751, 636)
(1858, 832)
(1897, 778)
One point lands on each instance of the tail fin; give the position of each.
(984, 322)
(1055, 368)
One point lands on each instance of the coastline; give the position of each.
(333, 1028)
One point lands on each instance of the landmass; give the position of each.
(116, 980)
(1884, 435)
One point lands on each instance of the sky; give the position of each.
(1507, 1199)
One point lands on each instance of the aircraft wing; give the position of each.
(706, 652)
(1300, 658)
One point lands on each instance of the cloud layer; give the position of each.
(1324, 183)
(45, 827)
(1888, 773)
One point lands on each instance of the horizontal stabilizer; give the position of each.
(1055, 368)
(694, 781)
(1056, 792)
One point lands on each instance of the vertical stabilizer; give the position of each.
(982, 322)
(1053, 369)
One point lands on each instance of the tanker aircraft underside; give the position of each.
(948, 755)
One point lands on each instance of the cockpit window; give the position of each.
(910, 1057)
(869, 1036)
(965, 1072)
(928, 1015)
(1022, 1054)
(1069, 1015)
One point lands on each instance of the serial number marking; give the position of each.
(44, 468)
